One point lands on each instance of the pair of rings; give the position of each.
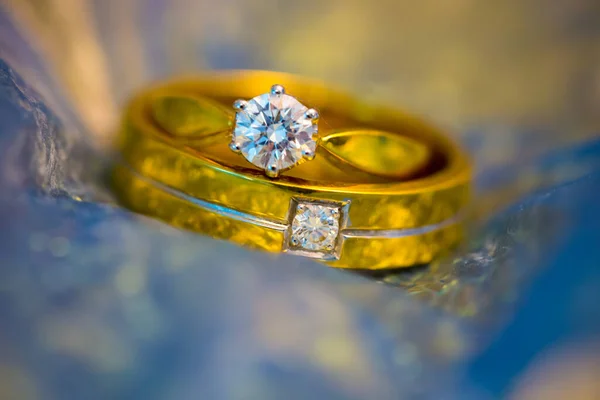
(302, 169)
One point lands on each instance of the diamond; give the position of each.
(274, 131)
(315, 227)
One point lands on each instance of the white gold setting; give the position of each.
(314, 228)
(274, 131)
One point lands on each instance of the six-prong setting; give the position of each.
(314, 228)
(274, 131)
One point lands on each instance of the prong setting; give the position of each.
(274, 131)
(312, 114)
(277, 90)
(272, 171)
(240, 105)
(308, 154)
(235, 147)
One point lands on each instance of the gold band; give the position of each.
(400, 185)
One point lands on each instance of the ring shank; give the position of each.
(339, 112)
(392, 222)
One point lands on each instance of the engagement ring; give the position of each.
(286, 164)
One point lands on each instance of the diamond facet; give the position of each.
(273, 132)
(315, 227)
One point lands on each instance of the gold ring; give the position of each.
(345, 182)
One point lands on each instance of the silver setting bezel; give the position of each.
(333, 254)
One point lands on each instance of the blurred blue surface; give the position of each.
(562, 304)
(98, 303)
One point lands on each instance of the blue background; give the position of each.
(99, 303)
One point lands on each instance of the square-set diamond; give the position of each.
(315, 227)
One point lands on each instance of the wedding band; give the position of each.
(285, 164)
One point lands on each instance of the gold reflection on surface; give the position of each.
(378, 153)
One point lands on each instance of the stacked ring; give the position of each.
(347, 183)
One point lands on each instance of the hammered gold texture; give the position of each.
(180, 169)
(147, 199)
(198, 165)
(407, 204)
(400, 252)
(359, 252)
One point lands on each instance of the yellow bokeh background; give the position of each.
(506, 66)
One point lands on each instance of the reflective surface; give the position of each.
(99, 303)
(160, 175)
